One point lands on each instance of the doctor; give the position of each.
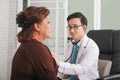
(83, 66)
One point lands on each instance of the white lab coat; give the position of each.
(86, 67)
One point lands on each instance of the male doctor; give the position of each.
(81, 63)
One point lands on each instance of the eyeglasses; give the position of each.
(73, 27)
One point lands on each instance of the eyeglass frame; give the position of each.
(74, 27)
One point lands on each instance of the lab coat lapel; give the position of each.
(83, 46)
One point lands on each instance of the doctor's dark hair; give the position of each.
(27, 18)
(78, 15)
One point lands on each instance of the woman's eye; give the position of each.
(48, 22)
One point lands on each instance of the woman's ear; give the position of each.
(36, 26)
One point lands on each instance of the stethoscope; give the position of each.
(73, 47)
(72, 50)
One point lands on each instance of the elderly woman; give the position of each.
(33, 59)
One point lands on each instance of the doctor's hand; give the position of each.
(56, 59)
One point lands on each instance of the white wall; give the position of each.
(110, 14)
(4, 20)
(7, 36)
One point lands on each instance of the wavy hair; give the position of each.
(26, 20)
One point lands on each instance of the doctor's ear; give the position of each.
(84, 27)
